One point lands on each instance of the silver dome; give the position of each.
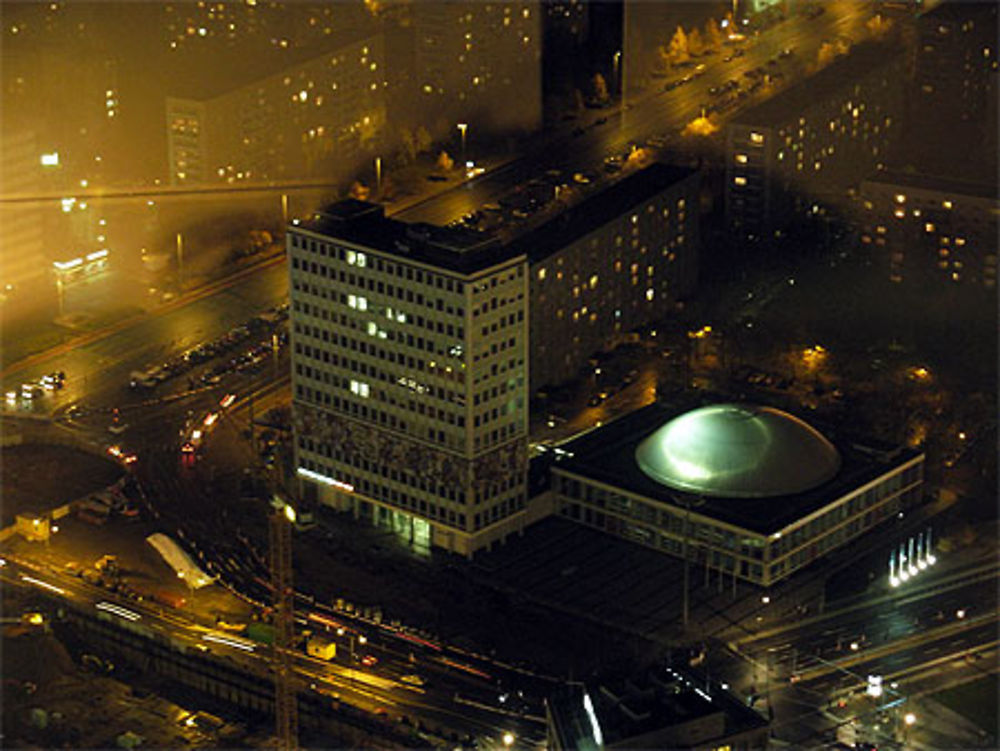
(738, 451)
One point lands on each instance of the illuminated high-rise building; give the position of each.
(409, 375)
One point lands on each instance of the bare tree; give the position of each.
(713, 35)
(359, 191)
(600, 88)
(424, 141)
(445, 162)
(678, 49)
(409, 152)
(695, 44)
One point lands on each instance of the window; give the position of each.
(739, 180)
(357, 302)
(756, 138)
(541, 274)
(741, 158)
(360, 388)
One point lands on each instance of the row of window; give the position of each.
(404, 272)
(376, 287)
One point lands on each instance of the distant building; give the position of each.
(312, 120)
(616, 262)
(666, 708)
(750, 492)
(802, 149)
(956, 62)
(409, 375)
(933, 231)
(478, 64)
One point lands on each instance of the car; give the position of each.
(414, 680)
(596, 400)
(437, 178)
(786, 53)
(368, 660)
(581, 178)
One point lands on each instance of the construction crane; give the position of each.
(280, 549)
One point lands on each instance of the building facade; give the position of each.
(409, 375)
(318, 119)
(474, 61)
(750, 493)
(932, 231)
(804, 148)
(616, 262)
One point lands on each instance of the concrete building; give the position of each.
(409, 375)
(667, 707)
(474, 61)
(932, 231)
(318, 119)
(956, 61)
(749, 492)
(617, 261)
(803, 149)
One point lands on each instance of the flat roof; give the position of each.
(923, 181)
(800, 97)
(463, 251)
(600, 209)
(607, 455)
(666, 697)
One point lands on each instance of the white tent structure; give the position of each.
(179, 561)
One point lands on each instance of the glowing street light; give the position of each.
(909, 718)
(508, 739)
(463, 127)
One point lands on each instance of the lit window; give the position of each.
(946, 204)
(372, 328)
(741, 158)
(757, 138)
(650, 294)
(740, 180)
(960, 241)
(899, 213)
(357, 302)
(593, 281)
(929, 227)
(541, 274)
(900, 198)
(360, 388)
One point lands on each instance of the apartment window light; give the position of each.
(739, 180)
(741, 158)
(756, 138)
(946, 204)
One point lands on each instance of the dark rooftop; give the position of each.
(607, 454)
(600, 209)
(923, 181)
(664, 698)
(841, 74)
(463, 251)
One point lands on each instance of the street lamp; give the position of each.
(909, 718)
(508, 739)
(463, 127)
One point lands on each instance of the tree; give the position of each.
(445, 162)
(679, 47)
(424, 141)
(600, 88)
(409, 150)
(695, 44)
(359, 191)
(713, 35)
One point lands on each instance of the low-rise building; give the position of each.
(748, 491)
(667, 707)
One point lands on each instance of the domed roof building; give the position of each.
(758, 492)
(738, 451)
